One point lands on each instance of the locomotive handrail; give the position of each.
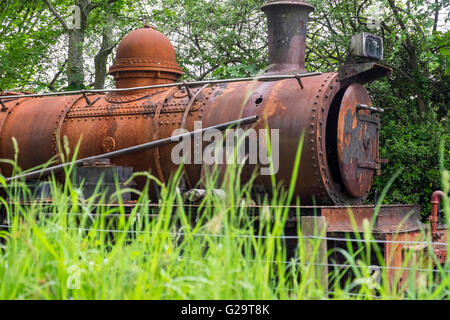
(370, 108)
(137, 148)
(168, 85)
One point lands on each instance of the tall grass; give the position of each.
(72, 248)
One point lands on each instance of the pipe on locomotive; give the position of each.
(340, 150)
(435, 196)
(185, 84)
(134, 149)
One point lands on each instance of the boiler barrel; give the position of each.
(338, 159)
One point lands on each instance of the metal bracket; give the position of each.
(362, 72)
(374, 165)
(299, 79)
(188, 91)
(371, 118)
(92, 102)
(85, 97)
(369, 165)
(4, 108)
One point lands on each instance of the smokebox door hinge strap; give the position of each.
(367, 107)
(371, 117)
(373, 165)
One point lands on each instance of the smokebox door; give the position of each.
(357, 141)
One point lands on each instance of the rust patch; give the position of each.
(355, 139)
(108, 144)
(273, 104)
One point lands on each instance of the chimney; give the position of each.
(287, 21)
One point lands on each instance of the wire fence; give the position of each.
(334, 265)
(218, 235)
(293, 237)
(296, 262)
(344, 294)
(256, 236)
(341, 268)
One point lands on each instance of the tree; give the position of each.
(76, 38)
(25, 38)
(214, 39)
(409, 29)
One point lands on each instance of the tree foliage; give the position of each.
(415, 98)
(26, 34)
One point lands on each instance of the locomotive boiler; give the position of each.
(333, 110)
(129, 128)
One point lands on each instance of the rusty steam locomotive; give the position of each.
(340, 151)
(132, 124)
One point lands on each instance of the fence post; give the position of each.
(317, 226)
